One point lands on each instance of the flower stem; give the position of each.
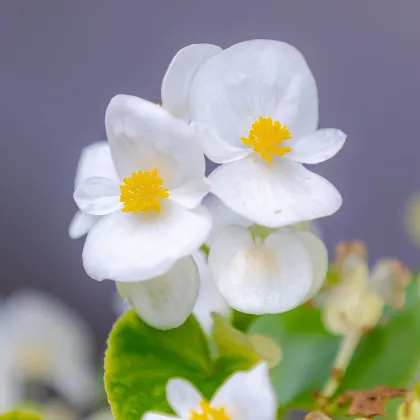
(344, 355)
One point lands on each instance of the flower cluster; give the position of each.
(253, 109)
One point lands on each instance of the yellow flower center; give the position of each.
(142, 192)
(266, 138)
(209, 413)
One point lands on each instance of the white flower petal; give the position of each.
(98, 196)
(179, 76)
(158, 416)
(129, 247)
(144, 136)
(319, 257)
(182, 397)
(277, 194)
(192, 193)
(258, 278)
(209, 299)
(95, 160)
(252, 79)
(81, 224)
(167, 301)
(215, 148)
(248, 395)
(222, 217)
(319, 146)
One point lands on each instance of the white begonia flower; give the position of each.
(256, 106)
(259, 270)
(356, 303)
(244, 396)
(43, 340)
(153, 213)
(95, 161)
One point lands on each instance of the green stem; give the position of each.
(344, 355)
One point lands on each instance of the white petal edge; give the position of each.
(318, 147)
(158, 416)
(215, 148)
(179, 76)
(192, 193)
(182, 397)
(81, 224)
(130, 248)
(222, 217)
(143, 136)
(277, 194)
(209, 299)
(255, 278)
(166, 301)
(98, 196)
(248, 395)
(95, 160)
(319, 256)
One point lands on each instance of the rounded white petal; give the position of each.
(277, 194)
(182, 397)
(129, 247)
(319, 257)
(179, 76)
(254, 277)
(98, 196)
(81, 224)
(209, 299)
(144, 136)
(95, 161)
(251, 79)
(248, 395)
(215, 148)
(192, 193)
(166, 301)
(222, 217)
(318, 147)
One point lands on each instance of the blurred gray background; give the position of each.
(61, 61)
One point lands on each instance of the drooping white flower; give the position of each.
(259, 270)
(42, 340)
(244, 396)
(153, 213)
(256, 106)
(165, 301)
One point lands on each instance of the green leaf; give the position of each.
(242, 321)
(308, 354)
(20, 415)
(140, 360)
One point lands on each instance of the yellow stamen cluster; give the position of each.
(142, 192)
(209, 413)
(266, 138)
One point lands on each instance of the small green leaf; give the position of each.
(308, 354)
(140, 360)
(241, 321)
(20, 415)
